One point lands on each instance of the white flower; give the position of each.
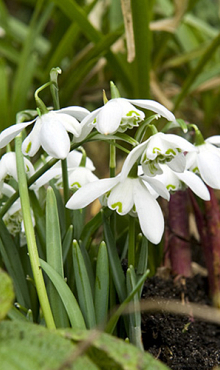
(160, 148)
(120, 114)
(175, 181)
(50, 132)
(129, 196)
(206, 162)
(8, 166)
(78, 175)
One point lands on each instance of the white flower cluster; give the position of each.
(155, 167)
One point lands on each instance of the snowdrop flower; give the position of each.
(49, 131)
(120, 114)
(176, 181)
(206, 161)
(160, 148)
(8, 166)
(128, 196)
(78, 175)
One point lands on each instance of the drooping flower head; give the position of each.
(50, 131)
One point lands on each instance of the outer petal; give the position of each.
(149, 213)
(89, 192)
(11, 132)
(155, 107)
(195, 183)
(74, 159)
(70, 123)
(32, 143)
(121, 197)
(46, 177)
(179, 142)
(86, 126)
(209, 165)
(8, 166)
(77, 112)
(158, 186)
(178, 163)
(131, 159)
(109, 117)
(54, 139)
(214, 140)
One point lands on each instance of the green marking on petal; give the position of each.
(195, 169)
(156, 150)
(170, 151)
(75, 184)
(117, 205)
(179, 150)
(129, 114)
(170, 186)
(28, 147)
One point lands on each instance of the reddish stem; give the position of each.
(208, 224)
(179, 245)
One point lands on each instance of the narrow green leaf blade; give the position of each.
(83, 287)
(102, 284)
(69, 301)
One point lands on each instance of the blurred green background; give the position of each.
(172, 55)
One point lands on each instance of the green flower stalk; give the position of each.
(30, 236)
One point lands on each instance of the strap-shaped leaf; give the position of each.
(83, 287)
(102, 284)
(69, 301)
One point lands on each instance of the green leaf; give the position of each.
(6, 294)
(134, 317)
(83, 287)
(115, 264)
(54, 257)
(14, 266)
(109, 352)
(69, 301)
(25, 346)
(102, 284)
(4, 96)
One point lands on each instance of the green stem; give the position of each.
(31, 241)
(66, 191)
(112, 161)
(131, 242)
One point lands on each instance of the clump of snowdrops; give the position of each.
(44, 202)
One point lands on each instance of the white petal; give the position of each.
(214, 140)
(77, 112)
(158, 186)
(195, 183)
(46, 177)
(131, 159)
(121, 197)
(70, 123)
(11, 132)
(179, 142)
(74, 159)
(178, 163)
(7, 190)
(89, 192)
(86, 126)
(209, 166)
(32, 144)
(54, 139)
(81, 176)
(8, 166)
(128, 110)
(155, 107)
(109, 117)
(149, 214)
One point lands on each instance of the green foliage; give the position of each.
(6, 294)
(28, 346)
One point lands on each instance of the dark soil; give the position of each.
(180, 342)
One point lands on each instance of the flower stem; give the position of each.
(66, 191)
(31, 241)
(112, 160)
(131, 242)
